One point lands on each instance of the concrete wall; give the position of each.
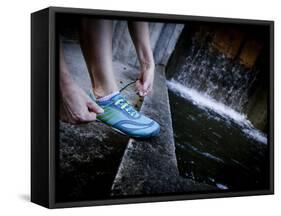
(235, 43)
(163, 38)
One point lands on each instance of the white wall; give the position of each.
(15, 106)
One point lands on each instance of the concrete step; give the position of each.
(150, 166)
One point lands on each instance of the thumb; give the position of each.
(93, 107)
(140, 87)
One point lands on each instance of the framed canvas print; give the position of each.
(138, 107)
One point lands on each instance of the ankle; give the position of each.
(100, 93)
(107, 97)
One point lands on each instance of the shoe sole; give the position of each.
(153, 134)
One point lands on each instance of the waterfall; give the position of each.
(205, 102)
(211, 72)
(213, 81)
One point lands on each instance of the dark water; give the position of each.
(214, 148)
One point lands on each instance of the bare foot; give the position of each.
(76, 105)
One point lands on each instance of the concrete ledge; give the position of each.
(150, 166)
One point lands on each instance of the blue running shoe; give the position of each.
(121, 116)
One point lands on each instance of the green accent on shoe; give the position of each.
(121, 115)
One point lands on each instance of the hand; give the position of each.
(145, 83)
(76, 105)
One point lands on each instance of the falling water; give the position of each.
(213, 81)
(204, 101)
(211, 72)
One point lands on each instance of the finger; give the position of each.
(149, 89)
(139, 88)
(139, 85)
(142, 93)
(145, 86)
(90, 116)
(93, 107)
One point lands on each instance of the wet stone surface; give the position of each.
(89, 157)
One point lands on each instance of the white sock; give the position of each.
(107, 97)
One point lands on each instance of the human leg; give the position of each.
(96, 44)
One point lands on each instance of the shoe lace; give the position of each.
(125, 105)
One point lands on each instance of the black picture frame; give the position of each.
(44, 85)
